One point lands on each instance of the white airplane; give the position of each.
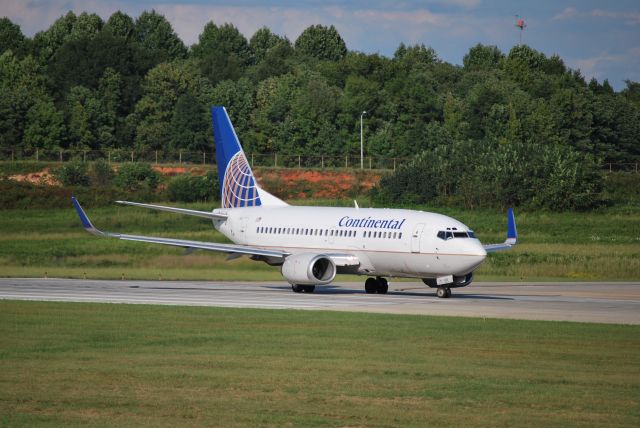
(313, 244)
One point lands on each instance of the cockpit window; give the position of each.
(445, 235)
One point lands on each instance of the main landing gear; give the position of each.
(298, 288)
(376, 285)
(443, 292)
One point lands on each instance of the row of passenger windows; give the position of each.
(448, 234)
(327, 232)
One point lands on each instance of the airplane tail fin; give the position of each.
(238, 186)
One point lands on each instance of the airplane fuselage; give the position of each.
(387, 242)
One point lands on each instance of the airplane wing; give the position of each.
(210, 246)
(205, 214)
(512, 235)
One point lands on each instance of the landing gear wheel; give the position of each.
(383, 285)
(297, 288)
(309, 288)
(371, 286)
(443, 292)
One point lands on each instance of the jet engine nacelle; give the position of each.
(308, 269)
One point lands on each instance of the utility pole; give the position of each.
(361, 141)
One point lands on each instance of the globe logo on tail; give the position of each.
(239, 186)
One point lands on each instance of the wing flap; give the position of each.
(210, 246)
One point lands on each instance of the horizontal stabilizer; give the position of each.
(205, 214)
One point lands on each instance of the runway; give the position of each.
(603, 302)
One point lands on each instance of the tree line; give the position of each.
(127, 83)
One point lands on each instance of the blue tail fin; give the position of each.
(512, 232)
(237, 184)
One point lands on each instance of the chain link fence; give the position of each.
(274, 160)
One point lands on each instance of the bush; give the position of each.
(622, 187)
(187, 188)
(137, 176)
(73, 174)
(100, 174)
(491, 174)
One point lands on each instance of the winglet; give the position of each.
(86, 223)
(512, 235)
(512, 232)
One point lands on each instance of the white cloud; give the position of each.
(629, 18)
(592, 67)
(569, 12)
(602, 65)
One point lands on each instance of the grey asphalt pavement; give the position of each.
(604, 302)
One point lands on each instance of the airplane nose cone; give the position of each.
(475, 248)
(481, 251)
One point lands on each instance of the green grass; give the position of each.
(566, 246)
(68, 364)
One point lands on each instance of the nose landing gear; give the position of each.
(443, 292)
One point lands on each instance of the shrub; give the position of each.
(187, 188)
(137, 176)
(73, 174)
(100, 173)
(491, 174)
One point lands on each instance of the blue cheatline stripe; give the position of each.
(511, 225)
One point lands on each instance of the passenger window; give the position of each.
(400, 235)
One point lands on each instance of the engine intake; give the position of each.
(309, 269)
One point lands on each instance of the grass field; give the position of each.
(600, 245)
(67, 364)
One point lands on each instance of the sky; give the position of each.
(600, 38)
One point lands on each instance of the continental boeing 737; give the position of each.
(313, 244)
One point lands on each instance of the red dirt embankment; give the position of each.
(330, 184)
(284, 183)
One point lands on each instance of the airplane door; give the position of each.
(243, 228)
(416, 237)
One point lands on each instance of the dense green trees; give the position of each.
(124, 83)
(322, 43)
